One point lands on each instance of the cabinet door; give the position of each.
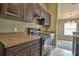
(12, 9)
(22, 10)
(48, 19)
(1, 8)
(36, 8)
(28, 12)
(42, 12)
(35, 51)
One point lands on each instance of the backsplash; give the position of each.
(14, 26)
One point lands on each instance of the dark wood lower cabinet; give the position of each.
(26, 49)
(35, 51)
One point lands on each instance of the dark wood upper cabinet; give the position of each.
(12, 9)
(46, 16)
(21, 10)
(48, 19)
(24, 11)
(0, 8)
(36, 8)
(42, 12)
(28, 13)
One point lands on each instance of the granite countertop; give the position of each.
(10, 40)
(47, 32)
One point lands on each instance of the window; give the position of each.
(70, 27)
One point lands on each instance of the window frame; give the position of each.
(71, 27)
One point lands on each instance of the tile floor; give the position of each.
(64, 48)
(64, 44)
(61, 52)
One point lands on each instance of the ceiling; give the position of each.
(68, 10)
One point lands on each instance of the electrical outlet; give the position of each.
(15, 29)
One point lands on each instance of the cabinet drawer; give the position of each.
(19, 53)
(18, 48)
(35, 42)
(37, 45)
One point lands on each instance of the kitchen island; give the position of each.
(19, 44)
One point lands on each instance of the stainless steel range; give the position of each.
(34, 31)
